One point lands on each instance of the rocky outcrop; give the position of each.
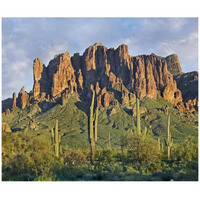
(190, 106)
(164, 109)
(103, 70)
(6, 128)
(173, 64)
(80, 79)
(32, 125)
(142, 110)
(8, 112)
(64, 76)
(146, 76)
(40, 78)
(22, 98)
(128, 98)
(188, 84)
(106, 99)
(172, 93)
(14, 101)
(112, 111)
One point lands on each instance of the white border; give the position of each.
(99, 190)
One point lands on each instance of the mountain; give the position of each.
(102, 69)
(63, 90)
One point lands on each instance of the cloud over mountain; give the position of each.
(24, 39)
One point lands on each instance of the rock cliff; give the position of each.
(102, 69)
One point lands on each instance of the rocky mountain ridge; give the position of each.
(101, 69)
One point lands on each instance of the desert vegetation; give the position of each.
(138, 155)
(103, 115)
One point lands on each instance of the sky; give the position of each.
(24, 39)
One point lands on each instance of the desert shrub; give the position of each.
(104, 155)
(26, 156)
(74, 158)
(187, 151)
(141, 150)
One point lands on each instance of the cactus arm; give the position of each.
(52, 136)
(96, 123)
(168, 128)
(59, 139)
(145, 131)
(91, 128)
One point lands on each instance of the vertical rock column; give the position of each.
(14, 101)
(38, 68)
(22, 98)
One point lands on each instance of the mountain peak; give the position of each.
(102, 69)
(97, 44)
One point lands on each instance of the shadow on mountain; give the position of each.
(7, 103)
(84, 103)
(45, 106)
(128, 111)
(16, 129)
(117, 94)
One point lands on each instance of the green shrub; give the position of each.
(26, 155)
(141, 151)
(74, 158)
(187, 151)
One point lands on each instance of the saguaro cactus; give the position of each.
(138, 116)
(56, 138)
(169, 141)
(109, 144)
(93, 121)
(159, 145)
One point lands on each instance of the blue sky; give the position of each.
(24, 39)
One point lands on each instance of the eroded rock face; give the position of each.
(125, 97)
(190, 106)
(180, 106)
(173, 64)
(22, 98)
(165, 109)
(64, 76)
(106, 100)
(172, 93)
(104, 69)
(188, 84)
(80, 79)
(40, 78)
(147, 76)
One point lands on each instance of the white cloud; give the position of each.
(24, 39)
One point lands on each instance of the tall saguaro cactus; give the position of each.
(138, 116)
(159, 145)
(93, 121)
(56, 138)
(169, 141)
(109, 144)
